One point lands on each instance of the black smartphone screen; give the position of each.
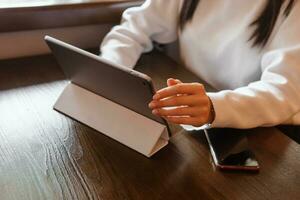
(230, 149)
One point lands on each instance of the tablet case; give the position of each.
(136, 131)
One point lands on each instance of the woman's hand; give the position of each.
(183, 103)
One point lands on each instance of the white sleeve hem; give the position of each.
(217, 100)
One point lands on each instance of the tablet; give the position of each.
(120, 84)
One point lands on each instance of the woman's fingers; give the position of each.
(194, 121)
(181, 111)
(190, 100)
(182, 103)
(181, 88)
(172, 81)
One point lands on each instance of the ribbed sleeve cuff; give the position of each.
(124, 55)
(114, 57)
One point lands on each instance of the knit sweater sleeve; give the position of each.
(275, 98)
(155, 20)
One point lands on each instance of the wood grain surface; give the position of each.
(45, 155)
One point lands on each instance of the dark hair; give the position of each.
(264, 23)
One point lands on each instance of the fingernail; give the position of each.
(155, 111)
(156, 96)
(151, 105)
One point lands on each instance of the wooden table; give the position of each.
(45, 155)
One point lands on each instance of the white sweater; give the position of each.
(257, 87)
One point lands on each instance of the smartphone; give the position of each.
(230, 150)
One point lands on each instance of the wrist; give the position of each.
(212, 114)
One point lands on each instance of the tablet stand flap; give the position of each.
(124, 125)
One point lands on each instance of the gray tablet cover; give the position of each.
(119, 84)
